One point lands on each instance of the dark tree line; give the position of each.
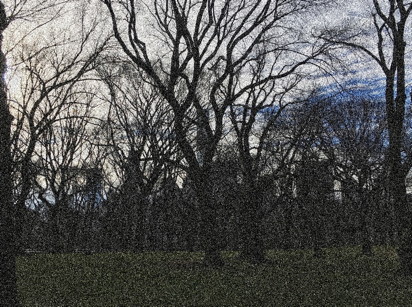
(322, 186)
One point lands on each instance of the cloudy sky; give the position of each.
(355, 12)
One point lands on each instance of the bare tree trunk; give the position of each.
(250, 218)
(397, 173)
(8, 286)
(365, 199)
(365, 225)
(137, 224)
(403, 220)
(209, 225)
(288, 239)
(318, 204)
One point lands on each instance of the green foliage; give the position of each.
(342, 278)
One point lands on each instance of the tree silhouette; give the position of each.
(8, 287)
(204, 45)
(390, 27)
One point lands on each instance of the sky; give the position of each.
(356, 12)
(363, 72)
(367, 71)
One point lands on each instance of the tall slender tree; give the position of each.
(390, 28)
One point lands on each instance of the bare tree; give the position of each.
(255, 112)
(45, 78)
(8, 287)
(9, 13)
(390, 23)
(354, 137)
(280, 155)
(140, 144)
(204, 39)
(62, 155)
(312, 173)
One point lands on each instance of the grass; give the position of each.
(294, 278)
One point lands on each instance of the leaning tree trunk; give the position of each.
(8, 286)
